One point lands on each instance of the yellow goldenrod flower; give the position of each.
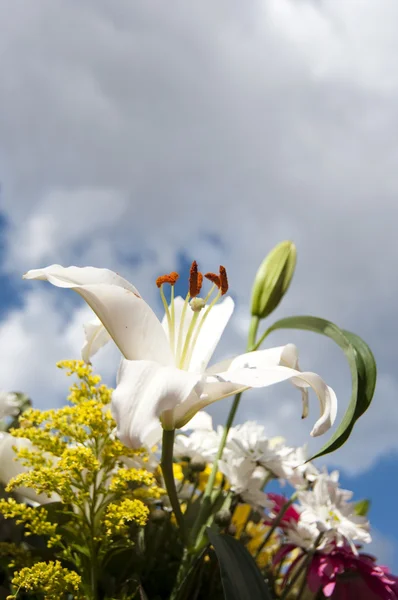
(70, 455)
(50, 579)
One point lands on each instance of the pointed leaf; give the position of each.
(367, 371)
(240, 576)
(362, 366)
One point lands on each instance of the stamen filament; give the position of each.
(213, 287)
(167, 312)
(184, 355)
(200, 324)
(187, 339)
(181, 354)
(173, 321)
(181, 329)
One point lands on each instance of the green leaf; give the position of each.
(240, 576)
(362, 366)
(58, 512)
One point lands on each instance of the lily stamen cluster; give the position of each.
(184, 336)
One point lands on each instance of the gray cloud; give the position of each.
(135, 128)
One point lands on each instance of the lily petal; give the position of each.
(259, 358)
(212, 327)
(128, 319)
(70, 277)
(96, 337)
(145, 392)
(257, 377)
(266, 367)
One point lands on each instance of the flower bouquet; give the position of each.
(132, 493)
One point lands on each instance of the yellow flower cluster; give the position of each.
(119, 516)
(125, 478)
(49, 579)
(74, 446)
(34, 519)
(71, 455)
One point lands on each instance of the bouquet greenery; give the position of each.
(132, 493)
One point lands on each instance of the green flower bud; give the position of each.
(256, 517)
(273, 279)
(223, 518)
(158, 515)
(362, 507)
(197, 464)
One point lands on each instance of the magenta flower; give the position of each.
(279, 501)
(342, 575)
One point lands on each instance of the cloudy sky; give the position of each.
(139, 135)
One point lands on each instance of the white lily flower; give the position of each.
(96, 337)
(164, 379)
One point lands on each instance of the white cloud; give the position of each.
(156, 125)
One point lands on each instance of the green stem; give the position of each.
(251, 339)
(302, 586)
(262, 338)
(276, 523)
(198, 528)
(168, 476)
(199, 525)
(181, 575)
(302, 568)
(93, 546)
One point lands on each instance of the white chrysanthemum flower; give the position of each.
(202, 443)
(246, 480)
(199, 445)
(305, 473)
(328, 508)
(249, 441)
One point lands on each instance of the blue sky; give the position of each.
(208, 132)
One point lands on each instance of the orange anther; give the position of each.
(213, 278)
(223, 280)
(171, 278)
(200, 280)
(195, 280)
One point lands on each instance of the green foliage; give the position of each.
(241, 578)
(362, 366)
